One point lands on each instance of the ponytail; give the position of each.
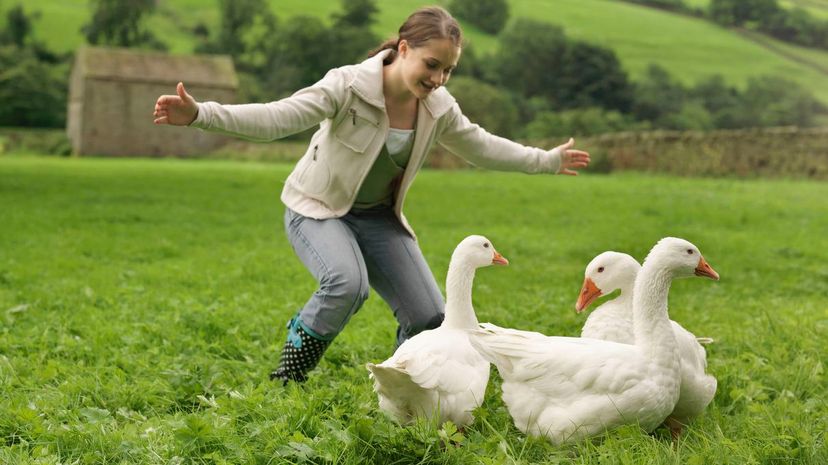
(390, 44)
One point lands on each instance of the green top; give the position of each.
(382, 179)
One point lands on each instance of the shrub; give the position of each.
(579, 122)
(485, 105)
(32, 93)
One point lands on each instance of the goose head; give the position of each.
(476, 252)
(681, 258)
(605, 274)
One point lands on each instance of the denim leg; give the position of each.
(329, 250)
(398, 272)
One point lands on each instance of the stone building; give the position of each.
(112, 93)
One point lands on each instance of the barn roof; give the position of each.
(157, 67)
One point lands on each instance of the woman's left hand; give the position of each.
(572, 159)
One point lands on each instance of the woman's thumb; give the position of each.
(183, 92)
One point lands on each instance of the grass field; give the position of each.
(690, 48)
(143, 302)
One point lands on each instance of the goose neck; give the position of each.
(459, 309)
(651, 324)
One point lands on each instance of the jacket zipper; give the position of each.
(315, 149)
(353, 114)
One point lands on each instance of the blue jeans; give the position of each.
(348, 254)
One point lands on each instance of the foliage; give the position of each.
(741, 12)
(772, 101)
(579, 122)
(235, 18)
(485, 105)
(119, 23)
(529, 52)
(32, 79)
(276, 59)
(18, 26)
(32, 92)
(688, 48)
(657, 95)
(593, 76)
(142, 305)
(356, 13)
(489, 15)
(536, 59)
(795, 25)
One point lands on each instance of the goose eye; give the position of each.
(689, 251)
(486, 245)
(600, 269)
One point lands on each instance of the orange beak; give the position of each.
(589, 292)
(499, 259)
(705, 270)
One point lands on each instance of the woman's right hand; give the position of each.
(178, 110)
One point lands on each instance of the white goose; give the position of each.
(569, 388)
(613, 321)
(437, 373)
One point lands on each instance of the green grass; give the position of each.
(690, 48)
(143, 302)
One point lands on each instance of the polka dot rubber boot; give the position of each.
(300, 355)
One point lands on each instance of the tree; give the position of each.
(592, 76)
(579, 122)
(740, 12)
(119, 23)
(485, 105)
(488, 15)
(238, 17)
(298, 55)
(657, 95)
(18, 26)
(351, 37)
(774, 101)
(32, 93)
(356, 13)
(530, 59)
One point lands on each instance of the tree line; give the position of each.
(539, 83)
(795, 25)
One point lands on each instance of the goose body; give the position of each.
(613, 321)
(567, 388)
(437, 374)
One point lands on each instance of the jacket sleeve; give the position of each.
(480, 148)
(269, 121)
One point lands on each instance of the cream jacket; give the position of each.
(349, 106)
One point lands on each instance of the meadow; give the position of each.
(691, 49)
(143, 304)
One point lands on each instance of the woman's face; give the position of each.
(429, 66)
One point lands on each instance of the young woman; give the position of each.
(377, 121)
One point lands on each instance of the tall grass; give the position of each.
(143, 303)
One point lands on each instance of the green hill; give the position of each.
(690, 48)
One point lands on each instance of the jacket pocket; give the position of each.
(359, 127)
(312, 176)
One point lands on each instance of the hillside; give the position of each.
(689, 48)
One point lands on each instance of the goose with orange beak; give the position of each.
(437, 374)
(567, 389)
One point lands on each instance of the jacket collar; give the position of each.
(367, 83)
